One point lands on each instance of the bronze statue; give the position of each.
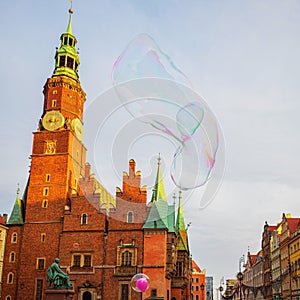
(57, 278)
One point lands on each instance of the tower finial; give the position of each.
(71, 4)
(18, 189)
(158, 159)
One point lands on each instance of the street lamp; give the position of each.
(240, 276)
(221, 290)
(202, 289)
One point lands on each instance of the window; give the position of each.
(197, 287)
(39, 289)
(43, 237)
(48, 175)
(40, 264)
(179, 269)
(154, 293)
(87, 261)
(70, 62)
(197, 297)
(54, 103)
(130, 217)
(84, 219)
(65, 40)
(76, 260)
(14, 238)
(45, 203)
(71, 42)
(126, 258)
(12, 257)
(10, 278)
(54, 92)
(62, 61)
(197, 280)
(46, 191)
(8, 298)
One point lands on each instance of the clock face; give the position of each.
(78, 128)
(53, 120)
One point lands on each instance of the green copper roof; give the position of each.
(171, 218)
(17, 215)
(158, 189)
(69, 28)
(161, 215)
(66, 57)
(158, 215)
(180, 227)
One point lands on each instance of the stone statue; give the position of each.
(57, 278)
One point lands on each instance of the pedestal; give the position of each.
(52, 294)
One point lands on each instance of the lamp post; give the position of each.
(202, 289)
(240, 274)
(240, 278)
(221, 290)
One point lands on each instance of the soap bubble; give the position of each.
(144, 59)
(151, 108)
(156, 92)
(140, 282)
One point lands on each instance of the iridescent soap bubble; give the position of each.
(140, 282)
(143, 58)
(155, 92)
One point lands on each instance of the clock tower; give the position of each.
(58, 161)
(58, 155)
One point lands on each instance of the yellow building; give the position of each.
(3, 232)
(294, 252)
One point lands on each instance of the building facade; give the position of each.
(100, 239)
(198, 283)
(3, 234)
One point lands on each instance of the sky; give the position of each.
(242, 57)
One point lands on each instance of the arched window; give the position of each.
(14, 237)
(10, 278)
(130, 217)
(84, 219)
(126, 258)
(8, 298)
(12, 257)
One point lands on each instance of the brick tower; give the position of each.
(57, 162)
